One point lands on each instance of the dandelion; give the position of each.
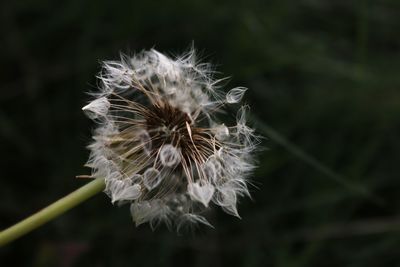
(159, 144)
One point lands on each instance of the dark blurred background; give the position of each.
(324, 88)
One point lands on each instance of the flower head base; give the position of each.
(158, 143)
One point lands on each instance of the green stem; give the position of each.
(51, 212)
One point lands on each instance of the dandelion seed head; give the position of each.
(159, 144)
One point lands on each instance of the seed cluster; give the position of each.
(159, 144)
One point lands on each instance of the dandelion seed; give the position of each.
(97, 108)
(221, 132)
(123, 190)
(235, 95)
(169, 155)
(201, 193)
(151, 178)
(159, 144)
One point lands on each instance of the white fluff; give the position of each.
(235, 95)
(122, 190)
(159, 143)
(97, 108)
(152, 178)
(201, 193)
(169, 155)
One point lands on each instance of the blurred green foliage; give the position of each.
(323, 75)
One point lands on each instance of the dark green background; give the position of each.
(323, 74)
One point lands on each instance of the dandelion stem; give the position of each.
(51, 212)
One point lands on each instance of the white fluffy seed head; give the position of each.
(159, 144)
